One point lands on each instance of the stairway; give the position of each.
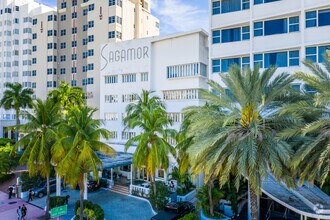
(124, 190)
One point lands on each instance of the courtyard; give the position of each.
(115, 206)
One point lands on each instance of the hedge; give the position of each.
(98, 211)
(6, 177)
(56, 201)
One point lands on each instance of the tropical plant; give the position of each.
(149, 115)
(209, 197)
(312, 159)
(235, 132)
(39, 139)
(159, 199)
(8, 160)
(16, 97)
(183, 180)
(82, 134)
(67, 96)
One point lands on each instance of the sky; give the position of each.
(175, 15)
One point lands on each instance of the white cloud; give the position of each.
(179, 15)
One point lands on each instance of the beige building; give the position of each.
(84, 25)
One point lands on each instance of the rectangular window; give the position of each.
(321, 51)
(63, 45)
(128, 78)
(246, 33)
(90, 24)
(111, 98)
(126, 135)
(230, 35)
(108, 116)
(278, 26)
(311, 19)
(258, 60)
(73, 83)
(245, 62)
(186, 94)
(111, 79)
(216, 37)
(74, 15)
(112, 19)
(144, 77)
(62, 71)
(227, 63)
(258, 28)
(324, 17)
(294, 24)
(73, 69)
(63, 32)
(74, 57)
(230, 6)
(294, 58)
(184, 70)
(112, 34)
(279, 59)
(74, 30)
(63, 17)
(256, 2)
(63, 5)
(216, 6)
(90, 38)
(216, 66)
(311, 53)
(91, 7)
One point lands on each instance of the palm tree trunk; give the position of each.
(82, 188)
(48, 199)
(17, 124)
(153, 181)
(253, 204)
(210, 185)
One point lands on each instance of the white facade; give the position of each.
(174, 66)
(265, 32)
(15, 47)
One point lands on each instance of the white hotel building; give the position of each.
(173, 66)
(268, 32)
(16, 49)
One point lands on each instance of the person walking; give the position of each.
(30, 196)
(10, 192)
(19, 213)
(24, 211)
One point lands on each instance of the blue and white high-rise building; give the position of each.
(268, 32)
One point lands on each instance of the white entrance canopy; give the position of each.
(122, 159)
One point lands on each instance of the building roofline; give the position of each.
(180, 34)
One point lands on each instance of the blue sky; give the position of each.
(175, 15)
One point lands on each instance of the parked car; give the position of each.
(92, 185)
(41, 190)
(174, 211)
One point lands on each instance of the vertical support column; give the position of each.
(85, 186)
(131, 174)
(58, 185)
(111, 170)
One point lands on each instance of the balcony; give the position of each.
(274, 9)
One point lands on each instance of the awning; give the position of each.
(122, 159)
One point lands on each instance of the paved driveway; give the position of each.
(115, 206)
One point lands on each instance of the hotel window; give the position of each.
(216, 37)
(62, 71)
(74, 15)
(245, 62)
(49, 71)
(186, 94)
(34, 72)
(318, 18)
(63, 45)
(112, 19)
(223, 65)
(74, 30)
(63, 58)
(231, 35)
(226, 63)
(111, 79)
(129, 98)
(90, 38)
(112, 34)
(85, 41)
(226, 6)
(63, 5)
(278, 26)
(34, 48)
(126, 135)
(85, 27)
(216, 66)
(85, 12)
(185, 70)
(34, 60)
(74, 2)
(111, 98)
(63, 17)
(73, 83)
(74, 57)
(144, 77)
(34, 85)
(34, 21)
(112, 2)
(113, 134)
(316, 53)
(90, 66)
(74, 43)
(108, 116)
(49, 58)
(50, 46)
(50, 17)
(91, 7)
(63, 32)
(119, 20)
(128, 78)
(73, 69)
(118, 35)
(49, 84)
(26, 73)
(91, 52)
(246, 33)
(34, 36)
(279, 59)
(256, 2)
(175, 117)
(90, 24)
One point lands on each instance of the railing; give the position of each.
(188, 197)
(139, 190)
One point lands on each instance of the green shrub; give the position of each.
(104, 183)
(56, 201)
(6, 177)
(159, 200)
(98, 211)
(190, 216)
(30, 182)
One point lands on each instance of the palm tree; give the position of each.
(149, 115)
(235, 133)
(82, 134)
(312, 159)
(39, 139)
(16, 97)
(67, 96)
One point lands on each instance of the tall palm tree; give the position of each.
(67, 96)
(39, 139)
(149, 115)
(82, 134)
(16, 97)
(312, 159)
(235, 133)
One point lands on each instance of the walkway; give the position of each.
(8, 208)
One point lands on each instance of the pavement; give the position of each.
(115, 206)
(8, 208)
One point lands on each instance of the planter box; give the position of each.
(203, 217)
(188, 197)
